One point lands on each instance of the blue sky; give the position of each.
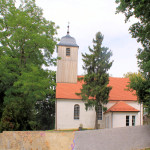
(86, 18)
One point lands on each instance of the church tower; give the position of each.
(67, 50)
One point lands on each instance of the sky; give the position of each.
(86, 18)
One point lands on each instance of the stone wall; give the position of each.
(36, 140)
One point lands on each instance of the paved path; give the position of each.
(127, 138)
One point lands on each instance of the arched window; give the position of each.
(76, 111)
(99, 112)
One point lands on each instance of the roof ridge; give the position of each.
(109, 77)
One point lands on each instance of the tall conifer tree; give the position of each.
(95, 90)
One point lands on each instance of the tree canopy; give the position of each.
(95, 90)
(141, 31)
(27, 42)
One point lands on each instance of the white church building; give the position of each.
(123, 108)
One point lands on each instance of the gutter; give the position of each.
(111, 119)
(140, 113)
(56, 114)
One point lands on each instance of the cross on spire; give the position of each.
(68, 28)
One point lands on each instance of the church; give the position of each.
(123, 108)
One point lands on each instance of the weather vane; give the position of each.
(68, 28)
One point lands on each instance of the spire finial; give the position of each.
(68, 28)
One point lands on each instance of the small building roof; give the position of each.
(68, 41)
(122, 107)
(118, 92)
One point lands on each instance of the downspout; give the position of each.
(140, 113)
(56, 114)
(111, 119)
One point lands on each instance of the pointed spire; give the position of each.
(68, 28)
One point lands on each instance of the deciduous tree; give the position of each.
(140, 30)
(27, 42)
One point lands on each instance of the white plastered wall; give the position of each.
(65, 115)
(136, 105)
(119, 119)
(108, 120)
(139, 107)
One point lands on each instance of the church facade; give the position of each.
(123, 108)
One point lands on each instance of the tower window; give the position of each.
(76, 111)
(67, 51)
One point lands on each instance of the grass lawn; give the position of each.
(70, 130)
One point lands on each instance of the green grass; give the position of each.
(70, 130)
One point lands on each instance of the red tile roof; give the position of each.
(121, 107)
(118, 92)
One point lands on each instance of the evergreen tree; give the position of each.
(140, 30)
(27, 43)
(95, 90)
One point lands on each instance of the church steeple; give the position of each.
(67, 65)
